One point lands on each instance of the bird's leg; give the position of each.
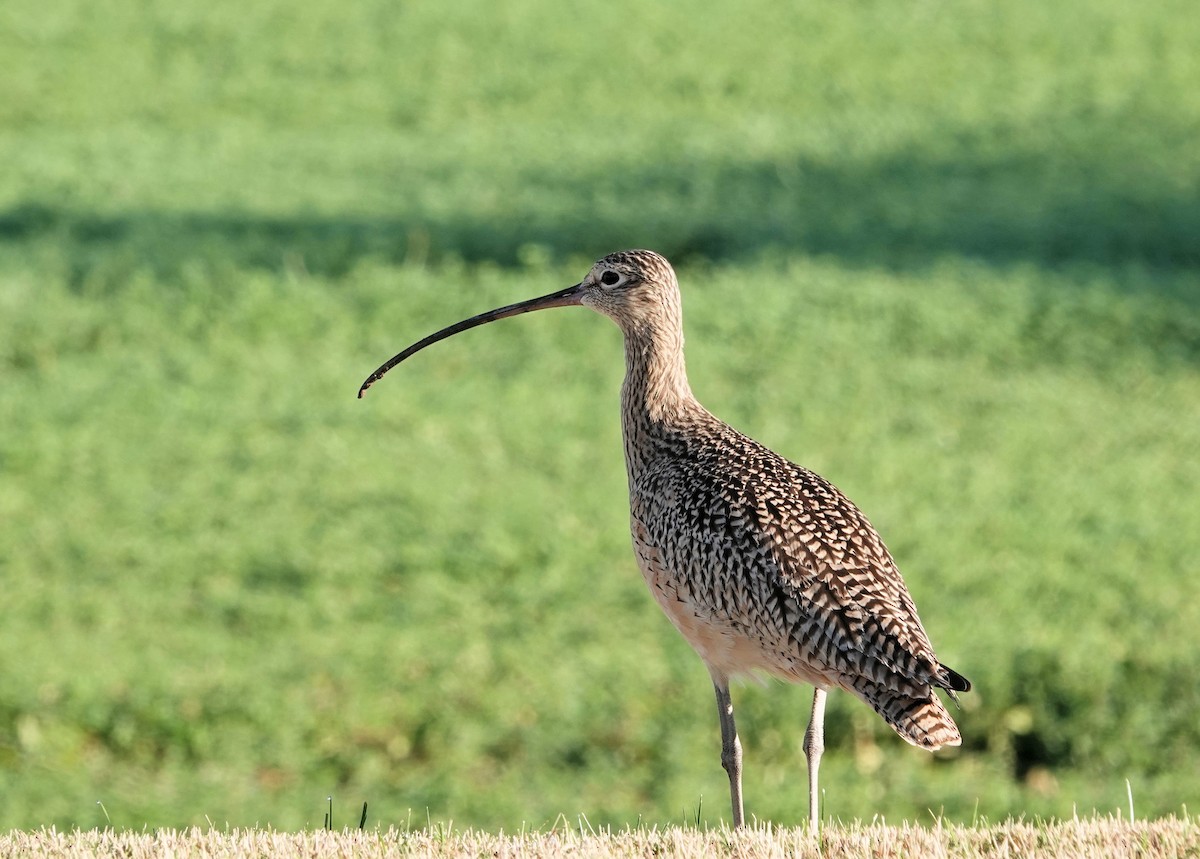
(731, 751)
(814, 745)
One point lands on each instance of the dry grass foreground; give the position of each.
(1095, 837)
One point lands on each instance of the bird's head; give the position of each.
(633, 288)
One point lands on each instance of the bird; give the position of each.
(765, 567)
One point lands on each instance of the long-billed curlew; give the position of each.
(761, 564)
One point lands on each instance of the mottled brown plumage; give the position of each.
(761, 564)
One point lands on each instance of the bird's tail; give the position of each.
(924, 722)
(921, 718)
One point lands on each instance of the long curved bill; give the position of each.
(568, 297)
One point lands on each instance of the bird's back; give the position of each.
(765, 565)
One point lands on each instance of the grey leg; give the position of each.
(731, 751)
(814, 745)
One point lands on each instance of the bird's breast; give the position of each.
(715, 591)
(725, 645)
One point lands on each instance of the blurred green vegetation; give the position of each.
(946, 256)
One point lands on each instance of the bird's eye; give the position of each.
(610, 278)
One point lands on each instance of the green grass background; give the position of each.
(945, 254)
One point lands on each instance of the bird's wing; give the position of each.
(827, 572)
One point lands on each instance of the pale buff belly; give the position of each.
(728, 647)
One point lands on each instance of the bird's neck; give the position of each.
(656, 399)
